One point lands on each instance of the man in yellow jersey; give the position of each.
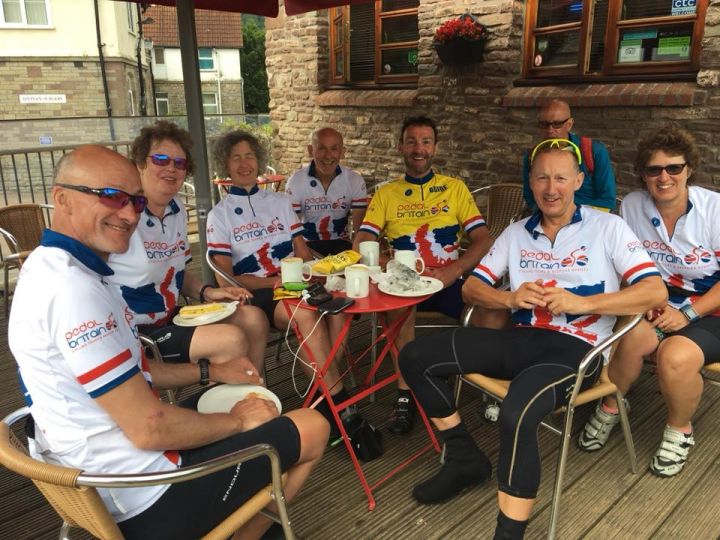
(428, 213)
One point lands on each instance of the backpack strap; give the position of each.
(586, 153)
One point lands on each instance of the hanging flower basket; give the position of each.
(460, 52)
(460, 41)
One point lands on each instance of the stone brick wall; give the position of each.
(79, 79)
(485, 123)
(231, 95)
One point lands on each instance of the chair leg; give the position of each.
(625, 421)
(64, 533)
(373, 353)
(560, 473)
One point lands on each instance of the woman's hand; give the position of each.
(240, 294)
(668, 319)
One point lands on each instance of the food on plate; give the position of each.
(189, 312)
(258, 396)
(335, 263)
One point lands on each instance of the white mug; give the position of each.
(357, 281)
(407, 257)
(293, 270)
(370, 252)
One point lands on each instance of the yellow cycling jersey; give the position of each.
(427, 215)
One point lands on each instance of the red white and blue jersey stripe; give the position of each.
(255, 228)
(591, 255)
(689, 259)
(150, 273)
(74, 340)
(325, 213)
(427, 215)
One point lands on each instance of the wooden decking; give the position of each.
(602, 498)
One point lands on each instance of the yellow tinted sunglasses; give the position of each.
(560, 144)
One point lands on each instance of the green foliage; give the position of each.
(263, 132)
(252, 60)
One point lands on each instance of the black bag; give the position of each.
(365, 439)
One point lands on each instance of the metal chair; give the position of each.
(73, 495)
(504, 204)
(21, 227)
(498, 388)
(150, 344)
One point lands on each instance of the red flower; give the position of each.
(465, 27)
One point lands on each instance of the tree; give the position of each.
(252, 60)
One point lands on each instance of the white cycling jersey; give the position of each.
(590, 255)
(690, 258)
(150, 273)
(75, 339)
(256, 228)
(325, 213)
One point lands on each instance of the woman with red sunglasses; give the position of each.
(679, 225)
(152, 273)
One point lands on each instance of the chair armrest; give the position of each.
(10, 239)
(215, 268)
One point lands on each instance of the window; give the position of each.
(162, 104)
(210, 104)
(572, 39)
(24, 13)
(159, 56)
(131, 13)
(374, 43)
(131, 103)
(206, 59)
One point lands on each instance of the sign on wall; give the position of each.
(31, 99)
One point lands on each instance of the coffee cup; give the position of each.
(408, 258)
(357, 281)
(294, 270)
(370, 251)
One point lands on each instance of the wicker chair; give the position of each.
(21, 227)
(504, 205)
(498, 389)
(72, 493)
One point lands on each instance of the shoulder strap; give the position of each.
(586, 153)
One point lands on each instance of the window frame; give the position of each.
(162, 97)
(212, 58)
(216, 105)
(23, 13)
(161, 50)
(341, 15)
(611, 68)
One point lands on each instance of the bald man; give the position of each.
(324, 194)
(555, 121)
(89, 388)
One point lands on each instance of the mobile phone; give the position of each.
(317, 295)
(336, 305)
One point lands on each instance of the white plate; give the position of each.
(223, 397)
(207, 318)
(432, 285)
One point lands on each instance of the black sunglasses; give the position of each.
(111, 197)
(656, 170)
(557, 124)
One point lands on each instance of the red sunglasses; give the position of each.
(112, 197)
(163, 160)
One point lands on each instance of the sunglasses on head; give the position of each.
(656, 170)
(163, 160)
(111, 197)
(560, 144)
(557, 124)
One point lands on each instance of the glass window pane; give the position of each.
(362, 42)
(35, 12)
(159, 55)
(597, 43)
(553, 12)
(638, 9)
(393, 5)
(13, 14)
(399, 61)
(339, 67)
(209, 103)
(559, 49)
(205, 57)
(660, 44)
(398, 29)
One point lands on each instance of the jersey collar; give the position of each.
(172, 208)
(312, 171)
(235, 190)
(78, 250)
(534, 222)
(420, 181)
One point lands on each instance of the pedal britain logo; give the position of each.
(419, 210)
(576, 260)
(255, 230)
(660, 251)
(89, 331)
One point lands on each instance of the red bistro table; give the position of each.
(379, 303)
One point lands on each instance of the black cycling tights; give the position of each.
(542, 365)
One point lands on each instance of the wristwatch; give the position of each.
(204, 364)
(689, 312)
